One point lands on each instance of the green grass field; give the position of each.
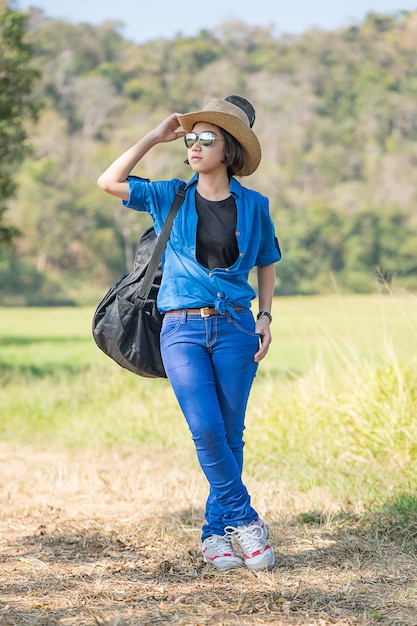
(333, 406)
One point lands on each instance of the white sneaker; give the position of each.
(218, 551)
(253, 539)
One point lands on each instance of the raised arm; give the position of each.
(114, 179)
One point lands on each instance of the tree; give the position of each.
(16, 81)
(336, 118)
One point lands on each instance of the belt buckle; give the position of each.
(203, 311)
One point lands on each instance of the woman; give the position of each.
(210, 343)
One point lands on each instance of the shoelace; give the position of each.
(220, 542)
(248, 536)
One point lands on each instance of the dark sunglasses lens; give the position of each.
(207, 139)
(190, 139)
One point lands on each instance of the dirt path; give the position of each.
(113, 539)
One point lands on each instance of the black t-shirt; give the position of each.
(216, 228)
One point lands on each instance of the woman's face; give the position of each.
(206, 160)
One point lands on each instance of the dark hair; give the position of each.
(234, 155)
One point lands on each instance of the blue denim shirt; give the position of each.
(186, 283)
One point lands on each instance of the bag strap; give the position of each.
(161, 243)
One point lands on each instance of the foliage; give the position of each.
(336, 116)
(17, 78)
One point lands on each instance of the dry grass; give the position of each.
(106, 538)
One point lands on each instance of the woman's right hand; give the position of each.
(114, 179)
(168, 130)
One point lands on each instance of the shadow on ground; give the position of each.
(331, 570)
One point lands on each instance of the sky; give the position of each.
(151, 19)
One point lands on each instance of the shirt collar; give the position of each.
(235, 186)
(192, 182)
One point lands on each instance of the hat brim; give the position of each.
(233, 125)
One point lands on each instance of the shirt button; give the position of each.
(241, 254)
(210, 274)
(237, 233)
(218, 294)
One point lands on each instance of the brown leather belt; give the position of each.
(205, 311)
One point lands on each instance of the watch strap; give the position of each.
(266, 313)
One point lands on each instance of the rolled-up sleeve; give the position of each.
(269, 250)
(137, 193)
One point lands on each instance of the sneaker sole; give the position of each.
(226, 567)
(266, 563)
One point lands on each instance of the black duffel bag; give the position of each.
(127, 324)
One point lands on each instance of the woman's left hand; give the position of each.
(263, 328)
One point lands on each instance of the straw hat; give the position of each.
(236, 119)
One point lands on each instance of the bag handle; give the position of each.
(161, 243)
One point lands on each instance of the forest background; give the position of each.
(336, 117)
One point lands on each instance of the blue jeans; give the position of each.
(209, 363)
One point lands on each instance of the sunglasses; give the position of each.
(206, 139)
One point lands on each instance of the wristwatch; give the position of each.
(268, 315)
